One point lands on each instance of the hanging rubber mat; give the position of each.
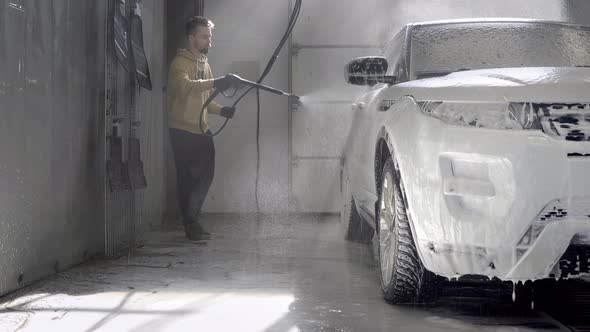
(141, 64)
(117, 171)
(135, 165)
(121, 26)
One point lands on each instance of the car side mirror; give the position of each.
(368, 70)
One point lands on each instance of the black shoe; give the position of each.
(195, 232)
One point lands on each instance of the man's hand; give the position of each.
(227, 112)
(226, 82)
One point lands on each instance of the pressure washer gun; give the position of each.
(266, 88)
(293, 99)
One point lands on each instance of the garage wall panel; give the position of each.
(249, 31)
(53, 204)
(151, 115)
(51, 215)
(577, 11)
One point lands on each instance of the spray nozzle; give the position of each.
(295, 102)
(262, 86)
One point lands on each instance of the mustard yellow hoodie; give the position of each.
(190, 83)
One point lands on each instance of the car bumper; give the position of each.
(491, 202)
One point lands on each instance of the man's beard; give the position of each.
(204, 50)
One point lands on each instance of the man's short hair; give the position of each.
(195, 22)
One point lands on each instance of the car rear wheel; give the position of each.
(403, 277)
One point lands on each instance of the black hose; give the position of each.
(291, 25)
(205, 104)
(257, 150)
(274, 57)
(269, 65)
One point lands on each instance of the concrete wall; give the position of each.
(577, 11)
(54, 210)
(151, 112)
(51, 171)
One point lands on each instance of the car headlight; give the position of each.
(514, 116)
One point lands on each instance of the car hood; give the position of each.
(538, 84)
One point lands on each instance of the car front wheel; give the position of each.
(403, 277)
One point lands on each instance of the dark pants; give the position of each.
(195, 167)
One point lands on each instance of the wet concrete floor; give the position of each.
(282, 274)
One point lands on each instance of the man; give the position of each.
(190, 83)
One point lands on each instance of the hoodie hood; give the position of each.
(192, 57)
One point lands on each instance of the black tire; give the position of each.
(524, 296)
(409, 281)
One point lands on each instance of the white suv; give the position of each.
(470, 155)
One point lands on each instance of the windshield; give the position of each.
(444, 48)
